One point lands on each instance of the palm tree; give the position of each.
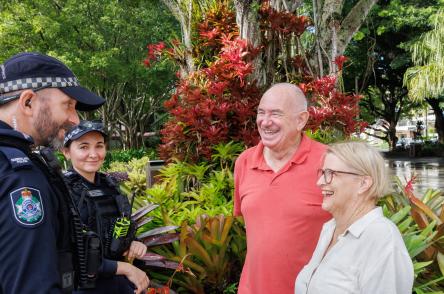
(425, 80)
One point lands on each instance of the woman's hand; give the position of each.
(134, 275)
(137, 250)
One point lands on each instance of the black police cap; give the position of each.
(83, 128)
(38, 71)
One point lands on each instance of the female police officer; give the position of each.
(103, 209)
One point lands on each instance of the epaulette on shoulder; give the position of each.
(16, 157)
(71, 176)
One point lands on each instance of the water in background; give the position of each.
(429, 172)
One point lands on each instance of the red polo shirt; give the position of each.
(283, 216)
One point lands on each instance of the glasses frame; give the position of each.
(332, 172)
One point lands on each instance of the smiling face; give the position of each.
(281, 116)
(342, 193)
(87, 154)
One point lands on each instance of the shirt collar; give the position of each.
(361, 224)
(7, 130)
(299, 156)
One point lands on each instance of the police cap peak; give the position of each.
(32, 70)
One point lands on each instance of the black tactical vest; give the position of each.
(100, 207)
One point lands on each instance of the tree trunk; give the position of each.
(333, 33)
(248, 23)
(391, 134)
(183, 14)
(439, 118)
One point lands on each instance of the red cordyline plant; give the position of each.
(332, 109)
(215, 103)
(283, 22)
(212, 105)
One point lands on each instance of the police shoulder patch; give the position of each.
(27, 206)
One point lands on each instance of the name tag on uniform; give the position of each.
(96, 193)
(16, 157)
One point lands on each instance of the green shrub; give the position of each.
(127, 155)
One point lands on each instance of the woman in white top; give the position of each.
(359, 250)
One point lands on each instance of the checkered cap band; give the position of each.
(71, 134)
(32, 83)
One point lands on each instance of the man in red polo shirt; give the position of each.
(276, 193)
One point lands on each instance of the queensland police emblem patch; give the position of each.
(27, 206)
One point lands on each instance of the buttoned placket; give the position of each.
(326, 255)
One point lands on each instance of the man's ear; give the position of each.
(302, 119)
(25, 101)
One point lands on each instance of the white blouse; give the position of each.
(369, 258)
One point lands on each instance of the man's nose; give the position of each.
(74, 118)
(267, 120)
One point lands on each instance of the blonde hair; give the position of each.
(367, 161)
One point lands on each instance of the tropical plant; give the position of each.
(420, 222)
(153, 237)
(132, 178)
(424, 80)
(126, 156)
(205, 249)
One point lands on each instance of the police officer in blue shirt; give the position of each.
(41, 247)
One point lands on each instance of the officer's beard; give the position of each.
(49, 131)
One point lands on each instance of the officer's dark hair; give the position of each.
(9, 94)
(18, 92)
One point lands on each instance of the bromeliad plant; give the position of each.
(420, 221)
(213, 249)
(154, 237)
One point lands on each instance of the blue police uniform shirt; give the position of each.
(28, 223)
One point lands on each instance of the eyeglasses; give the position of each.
(6, 99)
(328, 174)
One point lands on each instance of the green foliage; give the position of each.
(421, 225)
(103, 42)
(206, 247)
(325, 136)
(184, 191)
(135, 183)
(126, 156)
(425, 80)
